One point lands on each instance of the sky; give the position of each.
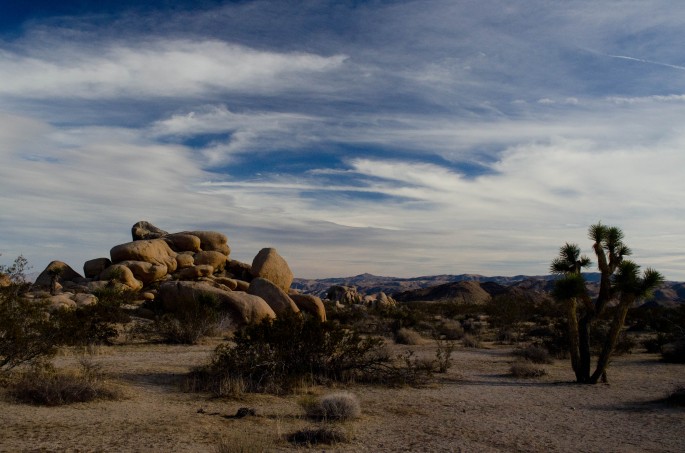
(399, 138)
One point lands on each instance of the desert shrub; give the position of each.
(198, 318)
(451, 330)
(27, 333)
(525, 369)
(655, 343)
(97, 323)
(334, 406)
(408, 337)
(319, 435)
(43, 385)
(275, 355)
(674, 352)
(443, 353)
(535, 354)
(471, 341)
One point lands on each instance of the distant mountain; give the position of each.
(467, 287)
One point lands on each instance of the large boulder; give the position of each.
(61, 270)
(146, 230)
(270, 265)
(277, 299)
(93, 268)
(183, 242)
(121, 274)
(212, 241)
(146, 272)
(155, 251)
(310, 304)
(243, 308)
(215, 259)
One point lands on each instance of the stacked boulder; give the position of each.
(178, 268)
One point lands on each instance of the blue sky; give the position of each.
(398, 138)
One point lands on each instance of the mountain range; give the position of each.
(467, 287)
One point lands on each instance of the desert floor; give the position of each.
(475, 407)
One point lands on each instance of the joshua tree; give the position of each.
(621, 282)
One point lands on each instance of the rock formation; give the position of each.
(178, 268)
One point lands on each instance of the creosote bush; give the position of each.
(319, 435)
(277, 355)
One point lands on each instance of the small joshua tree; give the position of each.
(621, 282)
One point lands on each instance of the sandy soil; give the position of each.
(475, 407)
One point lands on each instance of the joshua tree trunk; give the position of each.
(612, 339)
(573, 334)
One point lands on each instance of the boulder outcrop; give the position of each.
(310, 304)
(154, 251)
(243, 308)
(60, 270)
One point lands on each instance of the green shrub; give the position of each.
(198, 318)
(27, 332)
(277, 355)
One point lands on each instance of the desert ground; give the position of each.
(477, 406)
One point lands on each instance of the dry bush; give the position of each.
(526, 370)
(244, 442)
(470, 341)
(451, 330)
(535, 354)
(335, 406)
(319, 435)
(408, 337)
(45, 386)
(674, 352)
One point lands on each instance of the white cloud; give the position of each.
(157, 68)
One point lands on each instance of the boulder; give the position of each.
(310, 304)
(195, 272)
(215, 259)
(146, 230)
(102, 284)
(184, 260)
(227, 282)
(63, 271)
(122, 274)
(239, 270)
(383, 301)
(242, 285)
(155, 251)
(270, 265)
(93, 268)
(144, 271)
(277, 299)
(183, 242)
(212, 241)
(242, 307)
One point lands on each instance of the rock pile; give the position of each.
(177, 268)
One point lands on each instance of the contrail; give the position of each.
(623, 57)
